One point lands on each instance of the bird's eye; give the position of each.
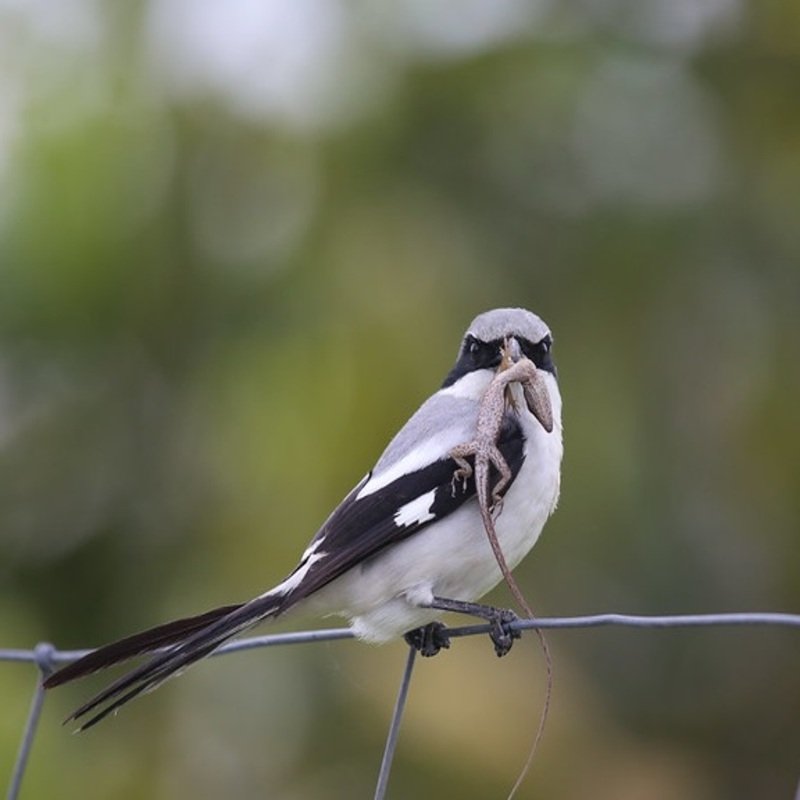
(546, 344)
(474, 346)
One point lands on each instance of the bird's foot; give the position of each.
(429, 639)
(501, 633)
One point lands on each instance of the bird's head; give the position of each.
(503, 332)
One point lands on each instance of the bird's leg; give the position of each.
(429, 639)
(501, 634)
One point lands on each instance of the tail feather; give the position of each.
(196, 641)
(136, 645)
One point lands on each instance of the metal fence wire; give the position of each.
(46, 657)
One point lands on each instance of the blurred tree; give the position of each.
(219, 221)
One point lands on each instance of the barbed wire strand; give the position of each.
(45, 656)
(394, 726)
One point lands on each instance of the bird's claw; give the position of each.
(429, 639)
(501, 634)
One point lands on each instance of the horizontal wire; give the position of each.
(752, 618)
(46, 656)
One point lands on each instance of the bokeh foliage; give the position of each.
(238, 245)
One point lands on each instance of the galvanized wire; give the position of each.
(46, 657)
(394, 727)
(43, 656)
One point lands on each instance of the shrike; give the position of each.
(408, 541)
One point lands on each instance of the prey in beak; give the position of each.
(533, 384)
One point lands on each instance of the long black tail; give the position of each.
(136, 645)
(187, 641)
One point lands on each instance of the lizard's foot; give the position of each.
(501, 634)
(430, 639)
(497, 506)
(461, 475)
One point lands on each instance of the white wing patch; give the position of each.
(312, 549)
(417, 511)
(296, 578)
(427, 453)
(319, 540)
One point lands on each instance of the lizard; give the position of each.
(483, 446)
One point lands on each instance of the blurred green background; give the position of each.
(239, 243)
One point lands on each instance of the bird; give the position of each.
(406, 544)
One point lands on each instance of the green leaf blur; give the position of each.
(239, 243)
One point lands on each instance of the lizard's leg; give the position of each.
(538, 400)
(501, 465)
(464, 471)
(501, 634)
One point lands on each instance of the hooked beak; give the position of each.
(511, 350)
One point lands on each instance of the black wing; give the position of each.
(356, 531)
(361, 527)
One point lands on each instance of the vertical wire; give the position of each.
(43, 655)
(394, 727)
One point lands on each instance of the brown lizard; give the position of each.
(513, 368)
(483, 446)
